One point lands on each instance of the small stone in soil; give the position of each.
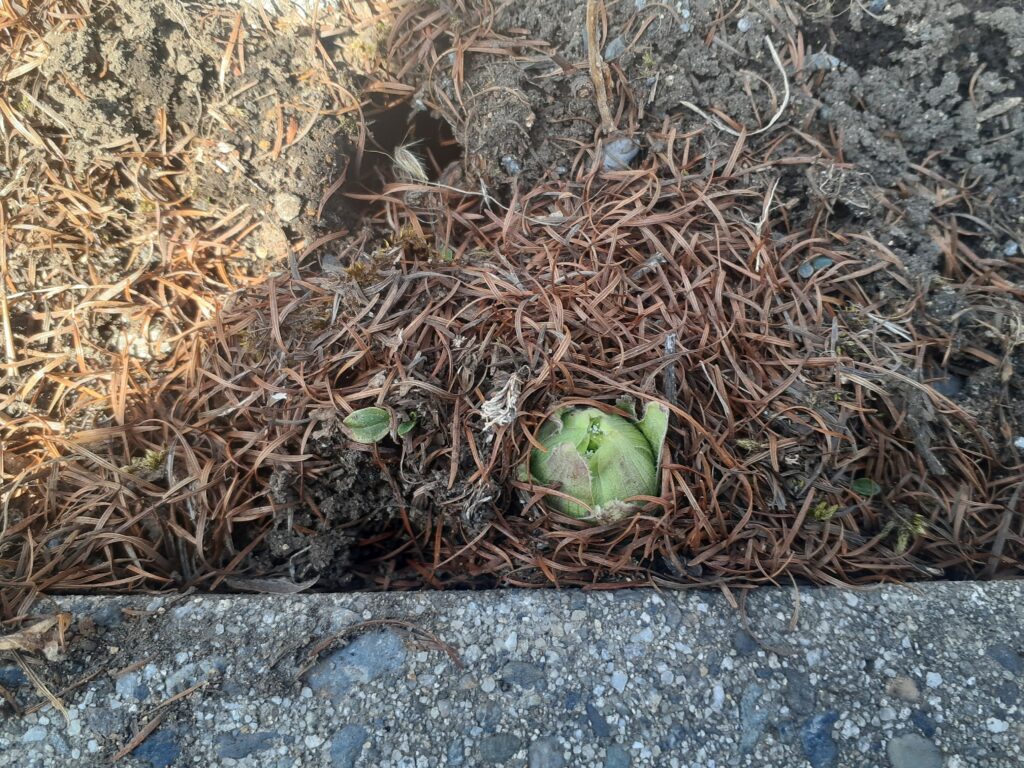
(1008, 658)
(455, 753)
(799, 693)
(347, 744)
(160, 750)
(752, 719)
(287, 206)
(511, 165)
(12, 676)
(619, 681)
(995, 725)
(619, 153)
(237, 744)
(34, 734)
(614, 49)
(923, 722)
(744, 643)
(522, 674)
(364, 659)
(597, 721)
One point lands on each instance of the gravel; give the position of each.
(923, 676)
(913, 751)
(546, 753)
(1007, 658)
(235, 745)
(499, 748)
(159, 750)
(816, 737)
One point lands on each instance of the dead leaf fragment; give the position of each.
(46, 637)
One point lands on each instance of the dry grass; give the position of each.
(677, 281)
(107, 273)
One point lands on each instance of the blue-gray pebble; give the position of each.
(816, 737)
(346, 745)
(619, 153)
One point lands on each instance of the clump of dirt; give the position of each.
(321, 514)
(147, 128)
(921, 82)
(110, 89)
(161, 156)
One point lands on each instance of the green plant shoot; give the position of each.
(368, 425)
(601, 460)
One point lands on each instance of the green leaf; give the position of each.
(407, 426)
(627, 404)
(368, 425)
(865, 486)
(654, 427)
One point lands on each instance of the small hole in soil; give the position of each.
(874, 44)
(391, 126)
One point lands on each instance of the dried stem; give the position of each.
(598, 70)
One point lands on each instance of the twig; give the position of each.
(5, 318)
(138, 738)
(598, 73)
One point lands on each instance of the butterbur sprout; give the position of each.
(601, 460)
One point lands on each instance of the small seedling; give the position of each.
(904, 528)
(371, 425)
(407, 426)
(368, 425)
(150, 461)
(823, 511)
